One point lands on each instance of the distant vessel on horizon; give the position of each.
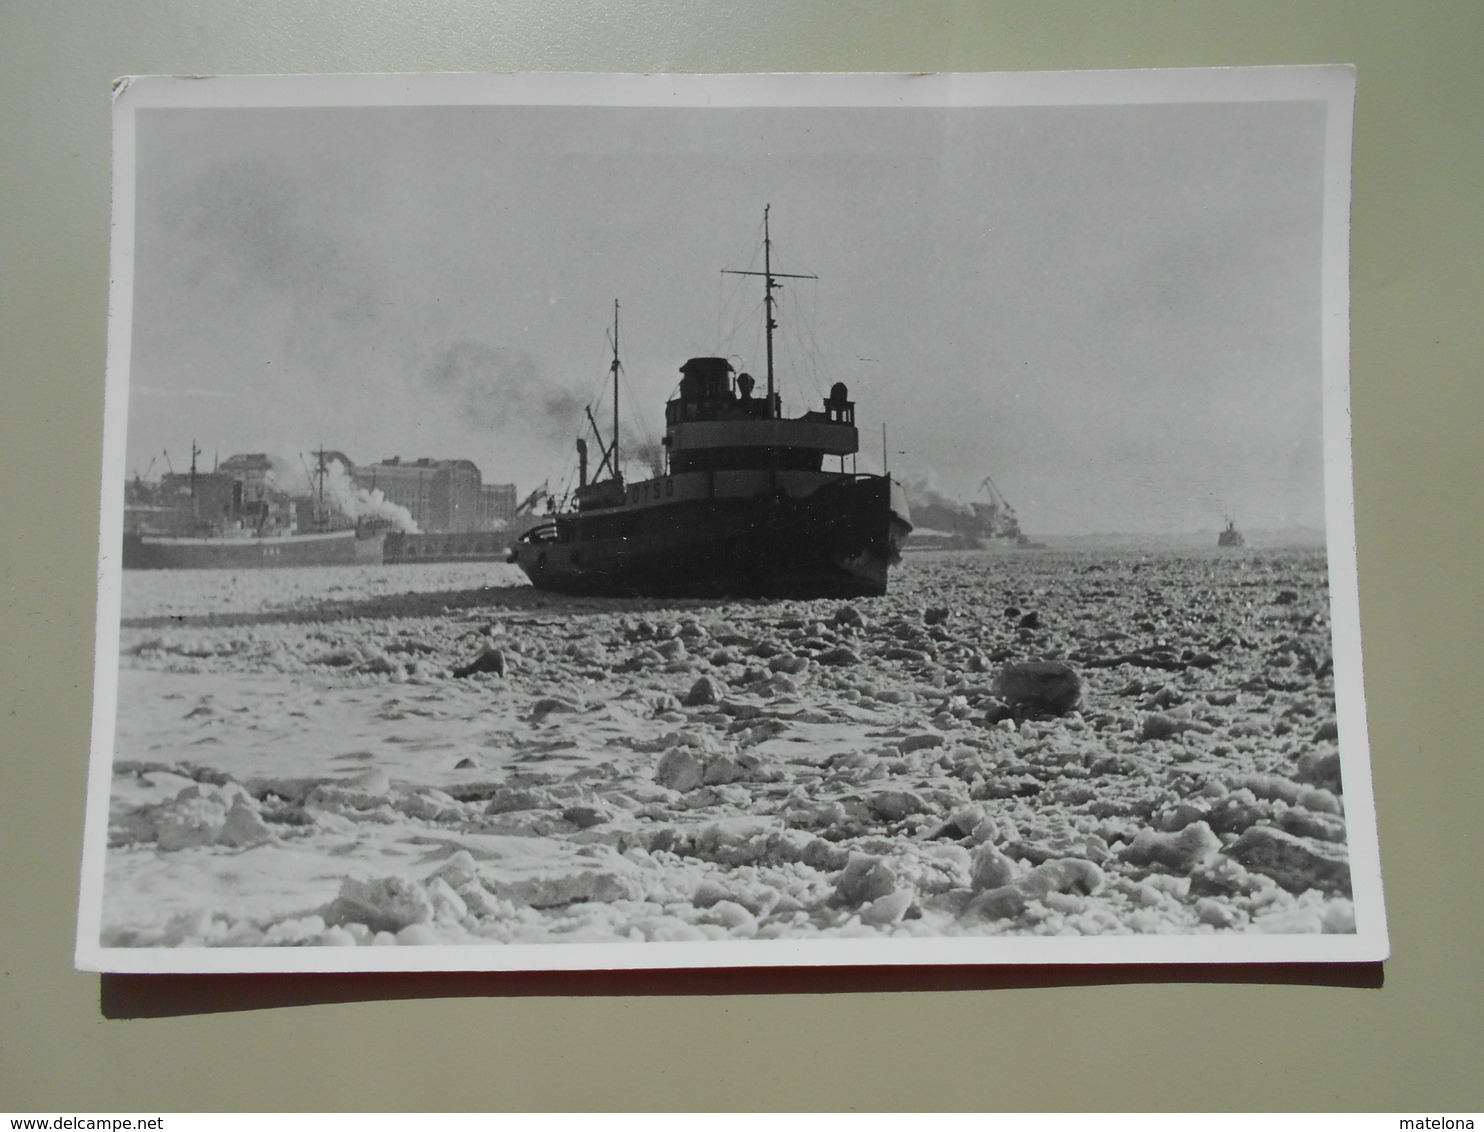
(229, 520)
(1231, 536)
(744, 507)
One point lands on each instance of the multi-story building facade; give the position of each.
(498, 500)
(442, 495)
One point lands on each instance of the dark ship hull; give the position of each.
(839, 540)
(328, 548)
(745, 507)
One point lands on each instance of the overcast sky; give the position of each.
(1114, 311)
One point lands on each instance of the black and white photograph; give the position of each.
(599, 521)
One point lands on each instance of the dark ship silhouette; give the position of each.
(945, 524)
(1231, 536)
(745, 506)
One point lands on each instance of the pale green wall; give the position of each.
(1419, 165)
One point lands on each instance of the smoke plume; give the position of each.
(289, 474)
(501, 390)
(294, 474)
(357, 503)
(649, 454)
(922, 491)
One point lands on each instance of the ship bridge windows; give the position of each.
(740, 459)
(838, 406)
(737, 409)
(706, 379)
(708, 393)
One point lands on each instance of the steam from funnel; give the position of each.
(293, 473)
(650, 454)
(288, 474)
(357, 503)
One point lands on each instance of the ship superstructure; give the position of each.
(750, 502)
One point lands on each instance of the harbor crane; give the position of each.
(997, 516)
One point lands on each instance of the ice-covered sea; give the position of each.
(304, 756)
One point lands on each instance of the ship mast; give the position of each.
(770, 278)
(320, 483)
(195, 506)
(614, 368)
(768, 284)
